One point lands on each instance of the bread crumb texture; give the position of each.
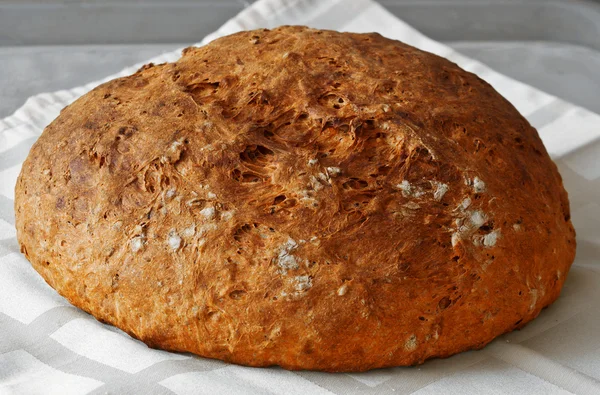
(302, 198)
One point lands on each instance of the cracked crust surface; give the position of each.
(306, 198)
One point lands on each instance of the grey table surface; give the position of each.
(58, 44)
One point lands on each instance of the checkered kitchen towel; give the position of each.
(50, 347)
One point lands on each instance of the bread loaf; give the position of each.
(302, 198)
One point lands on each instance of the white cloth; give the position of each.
(48, 346)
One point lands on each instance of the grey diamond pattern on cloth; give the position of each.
(48, 346)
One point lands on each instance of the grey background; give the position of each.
(46, 45)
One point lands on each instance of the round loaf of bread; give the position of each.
(302, 198)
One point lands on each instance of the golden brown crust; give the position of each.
(305, 198)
